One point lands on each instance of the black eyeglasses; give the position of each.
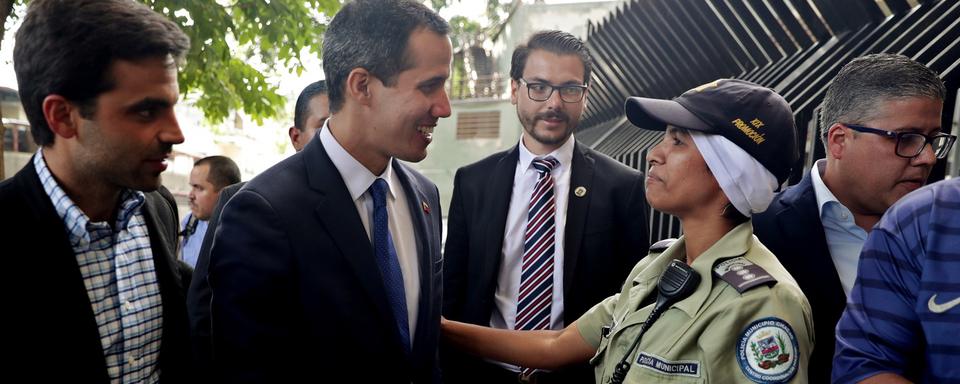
(910, 144)
(543, 91)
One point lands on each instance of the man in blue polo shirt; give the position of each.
(902, 320)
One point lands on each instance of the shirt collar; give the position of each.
(824, 196)
(357, 177)
(564, 154)
(734, 243)
(77, 223)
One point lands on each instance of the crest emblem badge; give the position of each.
(767, 351)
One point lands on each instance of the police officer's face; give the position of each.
(548, 124)
(678, 180)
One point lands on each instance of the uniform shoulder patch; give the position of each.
(742, 274)
(767, 351)
(662, 245)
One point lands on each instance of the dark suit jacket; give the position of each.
(53, 327)
(606, 234)
(198, 297)
(297, 294)
(792, 230)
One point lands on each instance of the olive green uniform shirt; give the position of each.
(698, 339)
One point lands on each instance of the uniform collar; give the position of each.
(734, 243)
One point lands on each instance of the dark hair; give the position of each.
(223, 171)
(68, 47)
(302, 109)
(853, 96)
(558, 42)
(373, 34)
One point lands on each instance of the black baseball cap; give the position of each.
(752, 116)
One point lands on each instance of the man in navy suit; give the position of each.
(879, 117)
(310, 111)
(594, 225)
(328, 264)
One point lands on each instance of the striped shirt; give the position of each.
(903, 315)
(116, 263)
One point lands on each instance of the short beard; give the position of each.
(528, 126)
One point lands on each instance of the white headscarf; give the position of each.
(748, 184)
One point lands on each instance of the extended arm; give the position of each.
(534, 349)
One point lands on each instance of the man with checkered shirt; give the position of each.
(95, 294)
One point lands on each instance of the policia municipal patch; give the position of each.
(767, 351)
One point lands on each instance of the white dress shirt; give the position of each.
(508, 278)
(844, 238)
(358, 180)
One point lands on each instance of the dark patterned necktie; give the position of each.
(387, 261)
(536, 273)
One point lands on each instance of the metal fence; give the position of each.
(661, 48)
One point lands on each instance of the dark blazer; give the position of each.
(792, 230)
(198, 296)
(297, 294)
(606, 234)
(54, 330)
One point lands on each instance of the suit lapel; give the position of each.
(496, 207)
(338, 215)
(581, 175)
(802, 224)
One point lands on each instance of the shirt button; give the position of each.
(131, 359)
(129, 306)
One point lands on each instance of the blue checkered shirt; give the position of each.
(117, 267)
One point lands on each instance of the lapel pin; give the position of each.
(426, 207)
(581, 191)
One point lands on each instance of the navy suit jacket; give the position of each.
(792, 230)
(297, 294)
(54, 334)
(606, 235)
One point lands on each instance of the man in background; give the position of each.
(208, 177)
(880, 126)
(311, 110)
(585, 212)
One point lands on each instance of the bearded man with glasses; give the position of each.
(539, 233)
(881, 130)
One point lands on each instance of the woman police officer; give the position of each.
(715, 305)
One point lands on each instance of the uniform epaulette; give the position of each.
(662, 245)
(742, 274)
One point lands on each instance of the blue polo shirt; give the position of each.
(903, 315)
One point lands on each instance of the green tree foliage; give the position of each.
(228, 35)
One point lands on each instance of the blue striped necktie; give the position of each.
(536, 273)
(387, 261)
